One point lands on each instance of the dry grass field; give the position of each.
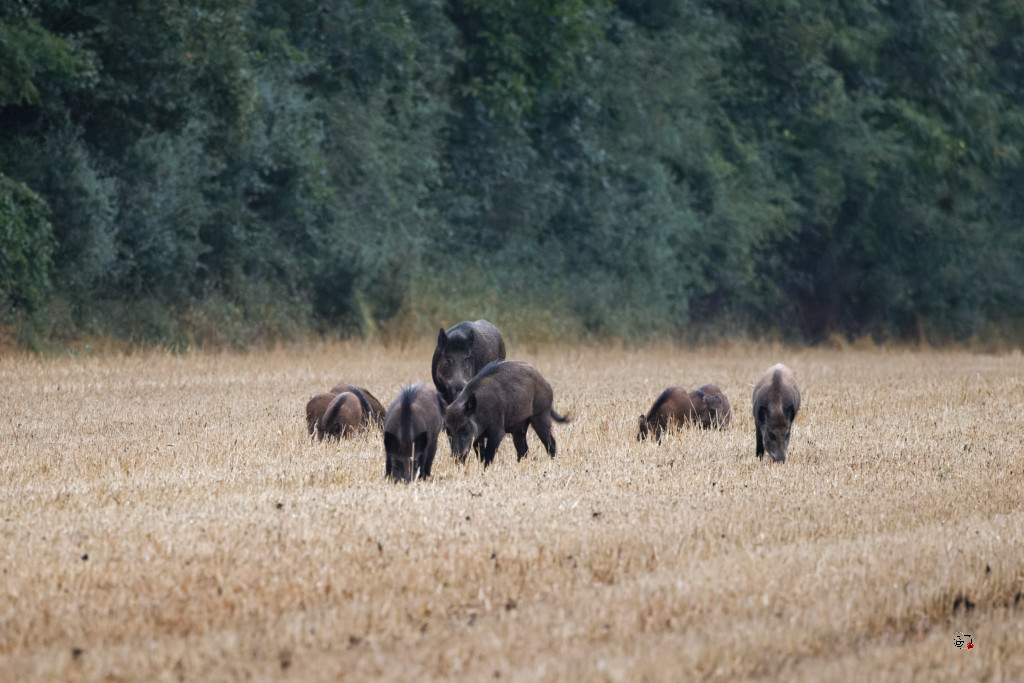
(165, 517)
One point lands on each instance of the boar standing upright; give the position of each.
(706, 407)
(461, 353)
(410, 433)
(776, 403)
(506, 397)
(344, 416)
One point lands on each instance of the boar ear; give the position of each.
(442, 338)
(470, 405)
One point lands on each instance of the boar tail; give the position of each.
(558, 418)
(405, 427)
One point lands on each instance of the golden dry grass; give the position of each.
(165, 517)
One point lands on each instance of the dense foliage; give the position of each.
(233, 170)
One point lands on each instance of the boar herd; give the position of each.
(479, 397)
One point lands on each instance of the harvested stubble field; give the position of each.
(166, 517)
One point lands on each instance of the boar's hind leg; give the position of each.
(390, 448)
(519, 439)
(421, 444)
(428, 459)
(542, 425)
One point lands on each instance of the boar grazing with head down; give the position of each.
(345, 415)
(315, 409)
(376, 411)
(410, 433)
(317, 406)
(672, 407)
(776, 403)
(712, 406)
(461, 353)
(706, 407)
(505, 398)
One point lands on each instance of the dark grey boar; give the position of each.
(344, 416)
(505, 398)
(461, 353)
(776, 403)
(410, 433)
(706, 407)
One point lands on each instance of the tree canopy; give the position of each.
(225, 171)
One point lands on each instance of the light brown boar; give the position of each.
(776, 402)
(706, 407)
(712, 407)
(376, 410)
(317, 406)
(344, 417)
(315, 409)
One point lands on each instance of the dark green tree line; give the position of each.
(226, 171)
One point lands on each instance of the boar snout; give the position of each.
(462, 429)
(456, 386)
(462, 437)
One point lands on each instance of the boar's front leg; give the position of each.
(478, 448)
(492, 439)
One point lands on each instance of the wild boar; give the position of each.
(461, 353)
(712, 407)
(344, 416)
(410, 433)
(376, 411)
(706, 407)
(315, 409)
(776, 403)
(506, 397)
(372, 410)
(672, 407)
